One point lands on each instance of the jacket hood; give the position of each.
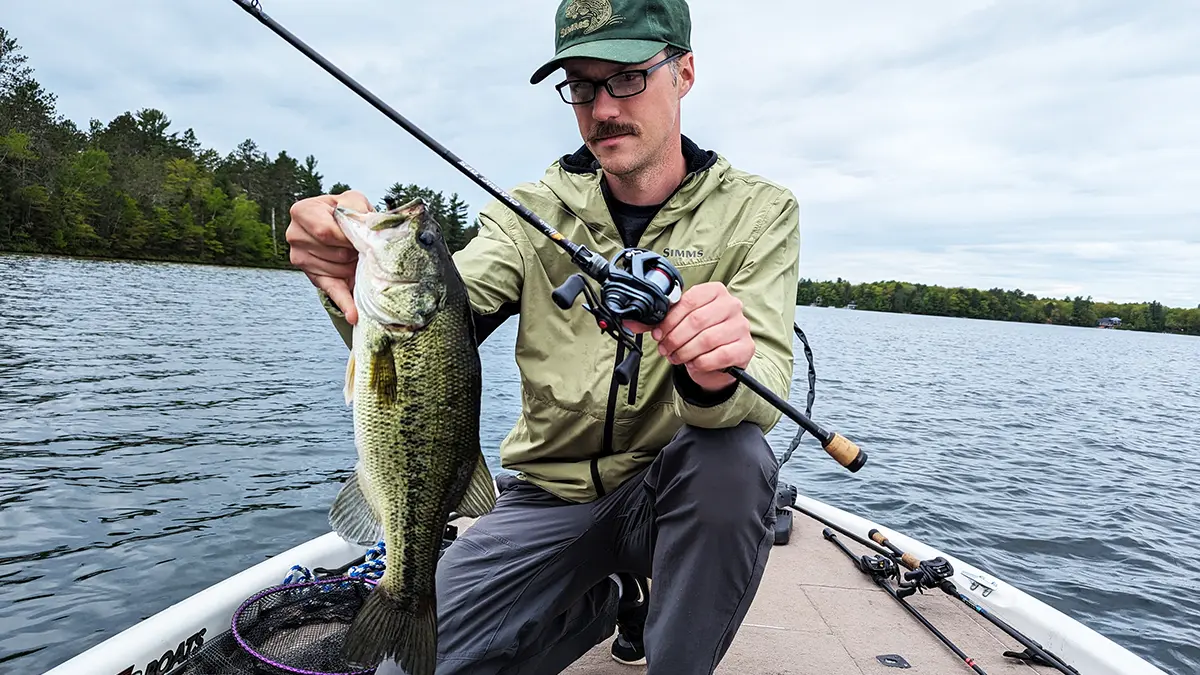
(575, 180)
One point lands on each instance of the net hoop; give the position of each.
(233, 627)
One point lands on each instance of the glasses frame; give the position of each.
(607, 84)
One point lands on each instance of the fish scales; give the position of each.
(415, 381)
(415, 447)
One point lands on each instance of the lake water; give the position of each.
(164, 426)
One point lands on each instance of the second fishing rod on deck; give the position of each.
(929, 574)
(636, 285)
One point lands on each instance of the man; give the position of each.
(670, 478)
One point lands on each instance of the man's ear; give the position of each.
(687, 74)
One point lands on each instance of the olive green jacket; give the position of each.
(579, 435)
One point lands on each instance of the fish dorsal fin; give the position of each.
(480, 496)
(352, 516)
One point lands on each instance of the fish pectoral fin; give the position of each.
(480, 496)
(348, 389)
(383, 375)
(352, 515)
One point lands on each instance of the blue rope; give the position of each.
(372, 567)
(298, 575)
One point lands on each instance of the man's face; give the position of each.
(627, 134)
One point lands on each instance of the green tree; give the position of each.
(1156, 317)
(451, 214)
(1083, 312)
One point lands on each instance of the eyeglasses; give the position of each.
(621, 85)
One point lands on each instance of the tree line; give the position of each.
(996, 304)
(135, 188)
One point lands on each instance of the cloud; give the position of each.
(1050, 147)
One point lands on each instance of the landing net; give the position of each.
(298, 627)
(291, 628)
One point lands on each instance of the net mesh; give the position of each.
(292, 628)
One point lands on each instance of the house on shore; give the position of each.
(1109, 322)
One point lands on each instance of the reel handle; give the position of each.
(627, 369)
(564, 296)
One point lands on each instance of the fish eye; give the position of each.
(427, 238)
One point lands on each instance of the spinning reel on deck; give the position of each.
(638, 285)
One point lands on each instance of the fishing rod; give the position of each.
(880, 568)
(936, 573)
(636, 285)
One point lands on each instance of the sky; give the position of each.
(1048, 146)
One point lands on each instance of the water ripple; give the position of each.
(165, 426)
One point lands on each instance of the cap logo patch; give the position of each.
(591, 15)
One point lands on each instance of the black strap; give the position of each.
(812, 394)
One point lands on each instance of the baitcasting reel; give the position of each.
(929, 574)
(638, 285)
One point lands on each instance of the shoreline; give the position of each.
(288, 267)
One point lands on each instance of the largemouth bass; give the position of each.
(414, 380)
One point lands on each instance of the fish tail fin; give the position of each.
(385, 628)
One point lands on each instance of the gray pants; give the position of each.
(525, 591)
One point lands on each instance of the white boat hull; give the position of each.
(166, 639)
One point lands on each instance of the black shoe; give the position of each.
(631, 620)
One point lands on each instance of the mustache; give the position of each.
(606, 129)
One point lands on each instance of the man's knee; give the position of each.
(723, 449)
(720, 468)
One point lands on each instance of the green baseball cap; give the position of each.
(621, 31)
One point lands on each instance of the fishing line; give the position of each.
(636, 284)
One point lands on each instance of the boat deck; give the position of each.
(816, 613)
